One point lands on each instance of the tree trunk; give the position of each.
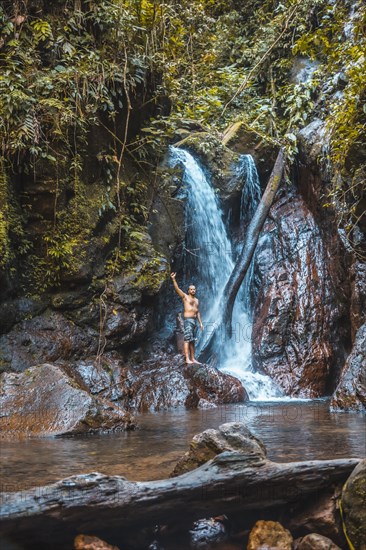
(244, 259)
(230, 483)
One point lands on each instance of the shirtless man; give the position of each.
(191, 316)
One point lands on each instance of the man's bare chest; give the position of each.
(192, 302)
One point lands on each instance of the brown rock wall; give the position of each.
(350, 393)
(297, 314)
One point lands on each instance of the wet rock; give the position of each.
(156, 384)
(315, 542)
(269, 535)
(297, 313)
(215, 386)
(350, 393)
(45, 401)
(312, 140)
(69, 300)
(204, 404)
(354, 506)
(232, 436)
(206, 532)
(167, 223)
(14, 311)
(302, 69)
(319, 516)
(87, 542)
(46, 338)
(358, 297)
(125, 291)
(103, 378)
(125, 326)
(72, 334)
(168, 382)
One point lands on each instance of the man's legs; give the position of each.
(191, 351)
(190, 328)
(186, 348)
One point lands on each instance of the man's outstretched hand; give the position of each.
(173, 275)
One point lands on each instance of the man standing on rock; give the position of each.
(191, 316)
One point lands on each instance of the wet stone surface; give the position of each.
(45, 401)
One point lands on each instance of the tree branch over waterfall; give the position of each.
(245, 257)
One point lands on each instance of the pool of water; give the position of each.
(291, 431)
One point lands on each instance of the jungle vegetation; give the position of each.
(93, 91)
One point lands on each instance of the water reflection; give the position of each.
(291, 431)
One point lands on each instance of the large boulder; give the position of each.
(159, 383)
(354, 506)
(350, 393)
(297, 313)
(44, 401)
(232, 436)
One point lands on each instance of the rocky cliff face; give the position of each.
(350, 393)
(297, 331)
(77, 322)
(310, 289)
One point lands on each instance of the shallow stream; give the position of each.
(291, 431)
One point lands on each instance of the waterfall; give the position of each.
(208, 253)
(210, 259)
(250, 198)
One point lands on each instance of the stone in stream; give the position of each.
(206, 532)
(354, 506)
(350, 393)
(315, 542)
(87, 542)
(269, 535)
(45, 401)
(232, 436)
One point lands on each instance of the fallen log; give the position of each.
(230, 483)
(243, 262)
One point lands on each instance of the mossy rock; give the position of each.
(354, 506)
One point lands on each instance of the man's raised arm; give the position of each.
(177, 289)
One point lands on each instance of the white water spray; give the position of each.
(210, 261)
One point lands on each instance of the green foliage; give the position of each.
(339, 42)
(73, 77)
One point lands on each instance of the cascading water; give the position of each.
(209, 260)
(250, 198)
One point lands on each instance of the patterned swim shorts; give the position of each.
(190, 329)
